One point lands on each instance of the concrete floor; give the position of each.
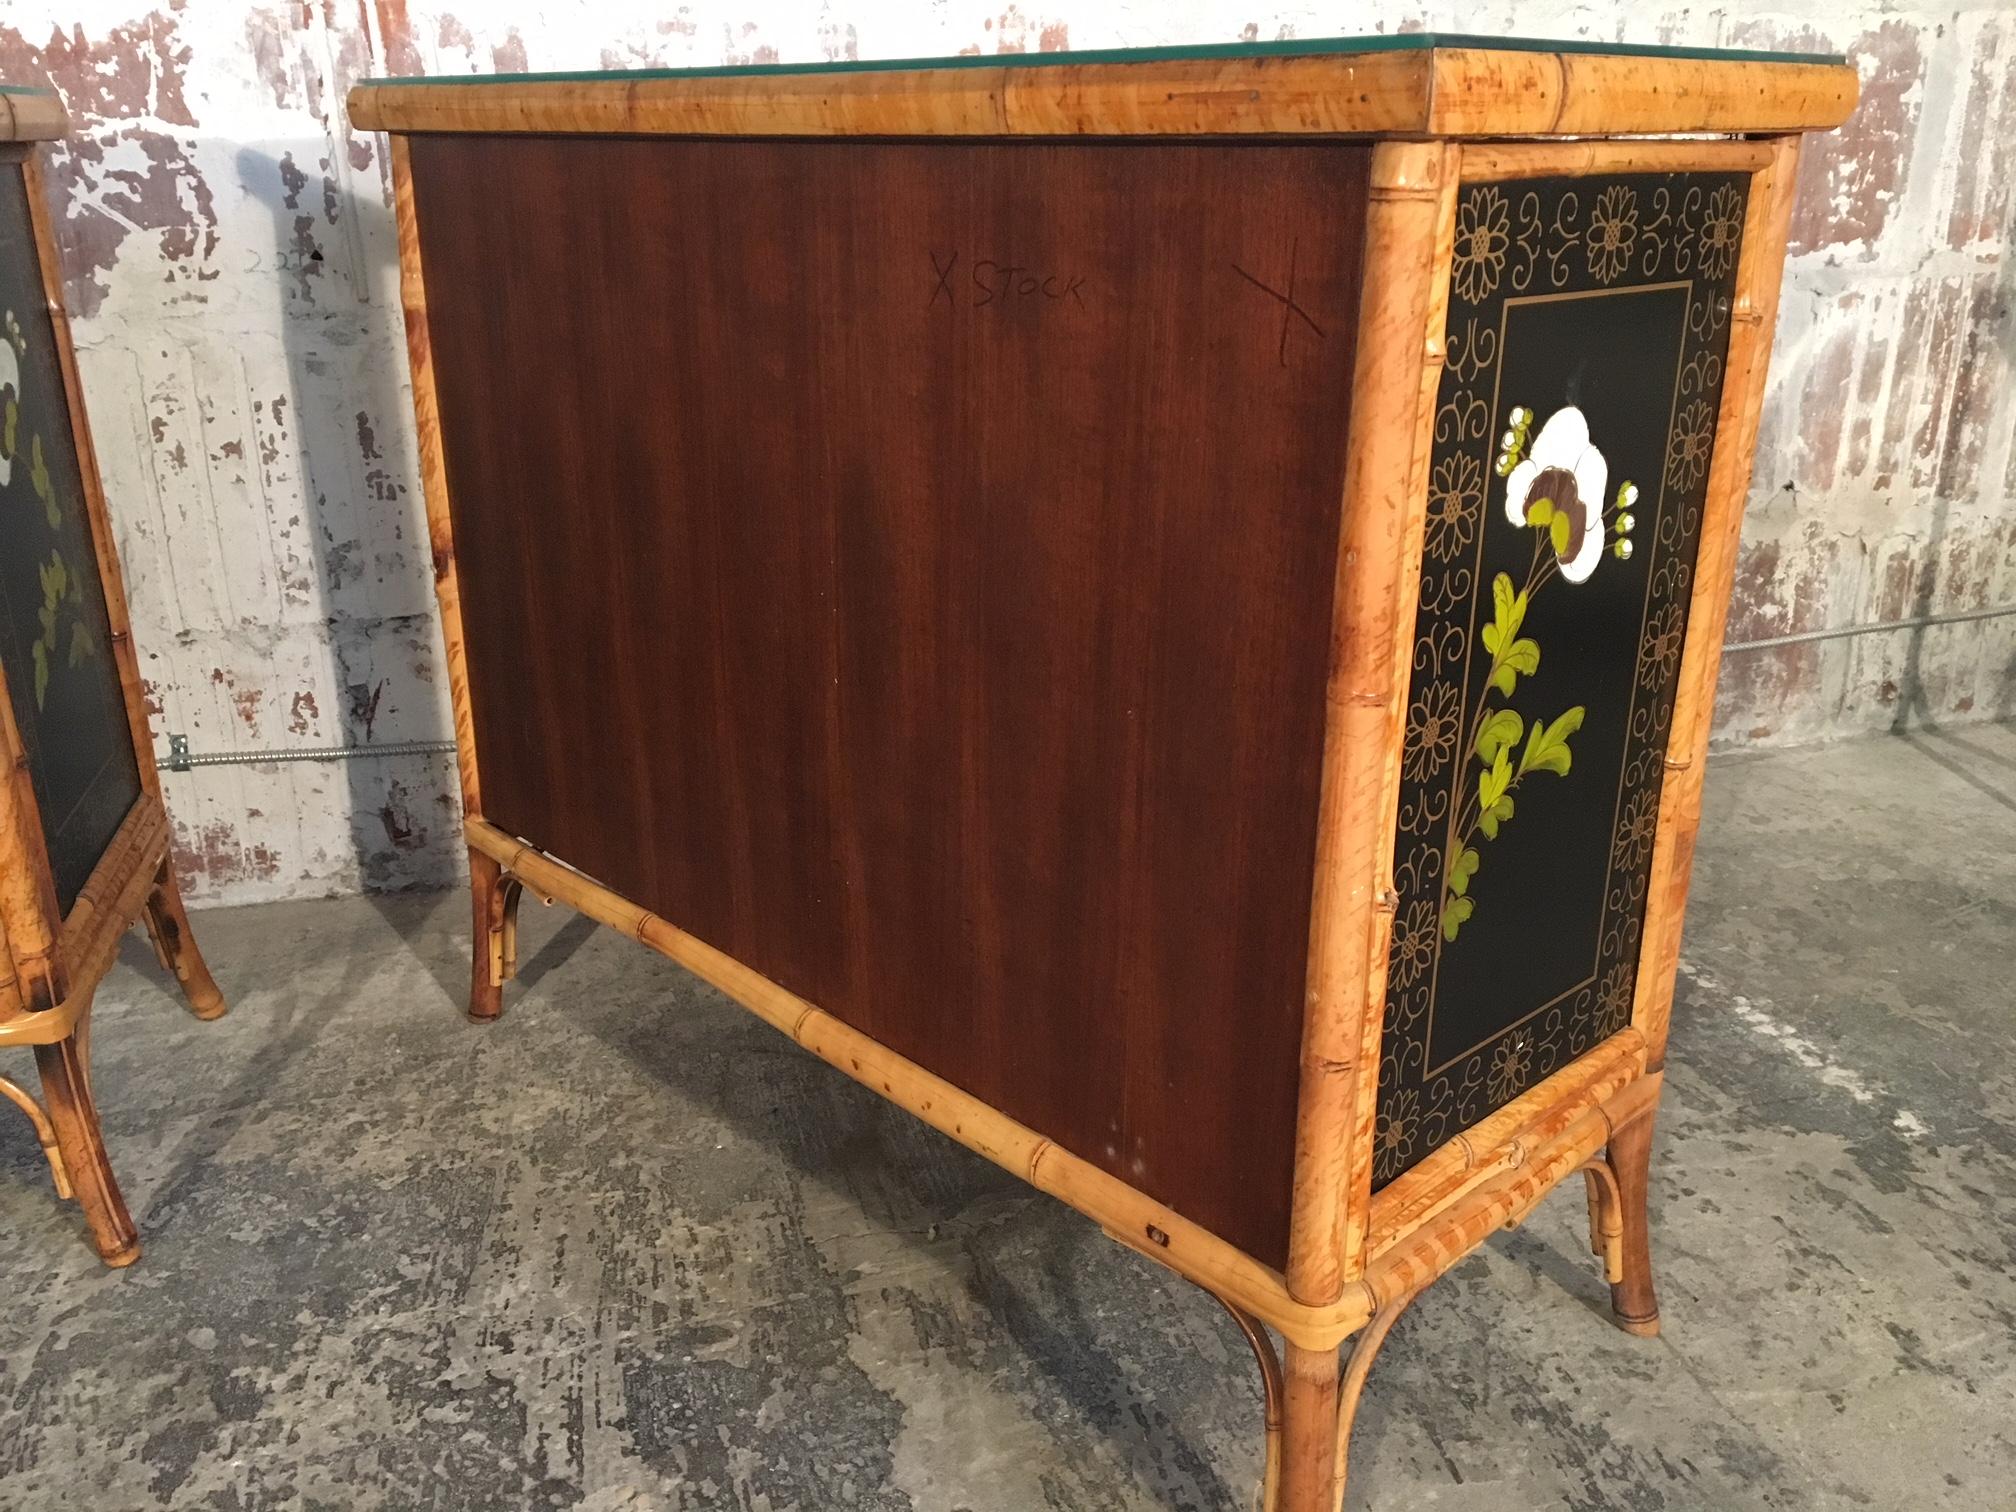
(630, 1249)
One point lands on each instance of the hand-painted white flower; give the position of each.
(10, 392)
(1564, 467)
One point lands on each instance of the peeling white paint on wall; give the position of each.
(231, 262)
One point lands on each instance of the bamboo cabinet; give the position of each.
(1160, 610)
(83, 835)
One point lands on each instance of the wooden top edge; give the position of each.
(30, 114)
(1298, 47)
(1439, 91)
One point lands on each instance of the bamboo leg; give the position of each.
(66, 1086)
(1309, 1431)
(168, 927)
(494, 895)
(1632, 1298)
(1321, 1407)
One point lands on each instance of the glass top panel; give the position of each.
(1300, 47)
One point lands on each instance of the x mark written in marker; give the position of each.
(1290, 310)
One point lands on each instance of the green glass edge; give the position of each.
(1296, 47)
(24, 89)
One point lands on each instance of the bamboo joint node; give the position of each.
(1405, 192)
(1036, 1155)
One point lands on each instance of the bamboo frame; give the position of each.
(493, 896)
(1488, 162)
(1356, 1259)
(29, 917)
(434, 474)
(1439, 91)
(31, 115)
(51, 961)
(11, 1003)
(1399, 362)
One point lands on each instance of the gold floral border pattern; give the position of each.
(1514, 240)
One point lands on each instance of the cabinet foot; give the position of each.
(1619, 1190)
(83, 1165)
(494, 897)
(168, 927)
(1311, 1406)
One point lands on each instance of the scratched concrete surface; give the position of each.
(228, 249)
(630, 1249)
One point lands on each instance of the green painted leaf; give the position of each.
(1508, 609)
(1502, 729)
(1547, 746)
(1492, 817)
(1454, 912)
(1558, 530)
(38, 474)
(1461, 870)
(1494, 779)
(42, 677)
(1521, 657)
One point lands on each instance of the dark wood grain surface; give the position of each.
(908, 568)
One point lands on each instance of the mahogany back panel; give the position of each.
(908, 568)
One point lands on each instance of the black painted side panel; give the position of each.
(55, 645)
(1588, 322)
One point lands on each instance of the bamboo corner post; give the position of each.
(84, 842)
(1156, 609)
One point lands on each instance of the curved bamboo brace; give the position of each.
(44, 1132)
(1364, 1350)
(1606, 1217)
(494, 890)
(504, 930)
(1271, 1387)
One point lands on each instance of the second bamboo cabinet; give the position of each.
(83, 835)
